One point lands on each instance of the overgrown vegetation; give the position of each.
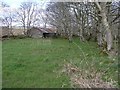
(96, 21)
(83, 54)
(40, 62)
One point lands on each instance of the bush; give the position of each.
(19, 37)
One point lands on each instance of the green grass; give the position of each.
(0, 64)
(36, 63)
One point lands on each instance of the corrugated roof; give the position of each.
(45, 30)
(48, 30)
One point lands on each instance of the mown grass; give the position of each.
(37, 62)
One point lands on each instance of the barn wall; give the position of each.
(35, 33)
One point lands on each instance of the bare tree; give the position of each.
(27, 15)
(93, 21)
(108, 35)
(7, 17)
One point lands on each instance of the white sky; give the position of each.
(16, 3)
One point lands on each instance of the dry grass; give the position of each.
(86, 79)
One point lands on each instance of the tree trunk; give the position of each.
(81, 35)
(108, 38)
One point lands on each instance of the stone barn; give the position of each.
(35, 32)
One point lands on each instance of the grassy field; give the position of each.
(37, 63)
(0, 64)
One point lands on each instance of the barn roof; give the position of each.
(47, 30)
(44, 30)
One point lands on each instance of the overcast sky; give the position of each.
(16, 3)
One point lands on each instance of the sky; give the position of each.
(13, 3)
(16, 3)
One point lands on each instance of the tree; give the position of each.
(108, 36)
(60, 16)
(7, 17)
(92, 20)
(27, 15)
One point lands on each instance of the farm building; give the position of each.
(41, 32)
(34, 32)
